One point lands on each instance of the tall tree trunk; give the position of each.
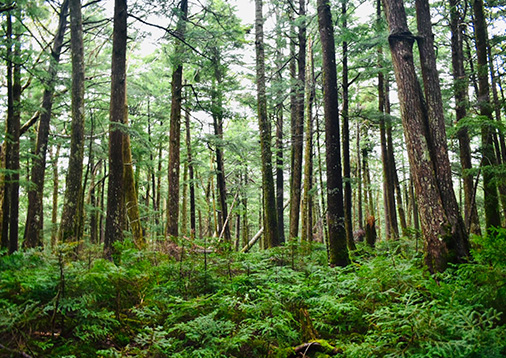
(279, 134)
(338, 250)
(71, 215)
(360, 212)
(460, 89)
(115, 193)
(307, 199)
(391, 228)
(271, 237)
(445, 237)
(10, 206)
(35, 214)
(492, 214)
(348, 223)
(298, 126)
(175, 126)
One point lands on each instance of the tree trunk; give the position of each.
(71, 215)
(54, 210)
(279, 136)
(492, 214)
(35, 214)
(190, 174)
(348, 223)
(217, 113)
(10, 206)
(175, 126)
(338, 250)
(460, 89)
(298, 127)
(131, 197)
(271, 237)
(445, 239)
(307, 199)
(115, 193)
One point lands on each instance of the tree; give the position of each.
(175, 128)
(271, 237)
(338, 250)
(71, 215)
(460, 89)
(114, 222)
(298, 125)
(10, 205)
(445, 237)
(35, 214)
(492, 214)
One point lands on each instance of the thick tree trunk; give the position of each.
(271, 237)
(35, 214)
(492, 214)
(298, 127)
(338, 250)
(71, 215)
(114, 223)
(460, 89)
(445, 239)
(175, 126)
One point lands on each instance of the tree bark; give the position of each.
(460, 90)
(307, 199)
(114, 222)
(348, 223)
(71, 215)
(298, 127)
(35, 214)
(271, 237)
(445, 239)
(492, 214)
(338, 250)
(279, 137)
(175, 126)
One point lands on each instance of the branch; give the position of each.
(25, 127)
(170, 32)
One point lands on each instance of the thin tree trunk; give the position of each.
(271, 237)
(348, 223)
(338, 250)
(492, 214)
(54, 210)
(360, 213)
(35, 214)
(71, 216)
(190, 174)
(115, 193)
(307, 199)
(175, 125)
(279, 136)
(298, 127)
(460, 85)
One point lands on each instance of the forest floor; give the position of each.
(284, 302)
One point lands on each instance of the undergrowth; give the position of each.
(261, 304)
